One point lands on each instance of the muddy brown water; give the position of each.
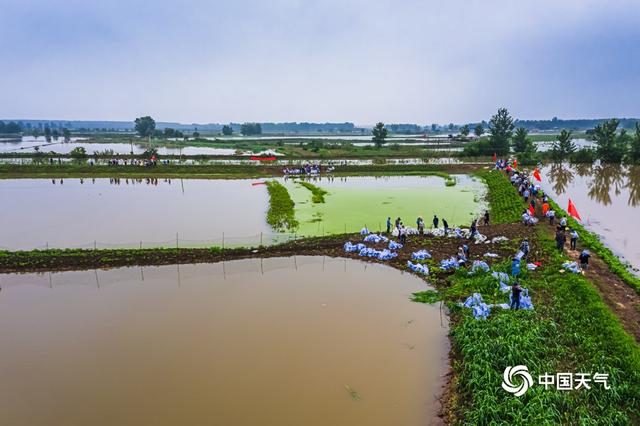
(607, 198)
(283, 341)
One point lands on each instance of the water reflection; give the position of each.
(560, 176)
(633, 185)
(606, 180)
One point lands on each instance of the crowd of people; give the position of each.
(533, 195)
(307, 169)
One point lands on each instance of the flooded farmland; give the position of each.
(109, 213)
(607, 198)
(304, 340)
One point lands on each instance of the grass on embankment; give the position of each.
(505, 203)
(281, 214)
(317, 193)
(570, 330)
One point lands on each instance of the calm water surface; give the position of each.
(287, 341)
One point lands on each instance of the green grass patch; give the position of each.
(505, 203)
(570, 330)
(281, 214)
(317, 193)
(427, 296)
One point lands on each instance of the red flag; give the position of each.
(495, 157)
(536, 174)
(572, 210)
(515, 163)
(532, 210)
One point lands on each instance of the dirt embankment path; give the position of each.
(440, 248)
(621, 299)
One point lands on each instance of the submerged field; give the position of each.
(356, 202)
(198, 344)
(134, 213)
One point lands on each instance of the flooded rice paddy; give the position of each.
(354, 202)
(283, 341)
(108, 213)
(607, 198)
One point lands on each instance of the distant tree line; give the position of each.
(251, 129)
(10, 127)
(612, 143)
(575, 125)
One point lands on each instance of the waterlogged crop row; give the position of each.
(317, 193)
(281, 214)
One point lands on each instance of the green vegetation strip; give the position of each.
(571, 330)
(504, 202)
(317, 192)
(281, 214)
(215, 171)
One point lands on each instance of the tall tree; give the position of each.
(47, 133)
(145, 126)
(379, 133)
(564, 146)
(610, 146)
(227, 130)
(66, 134)
(500, 130)
(464, 130)
(520, 140)
(478, 130)
(249, 129)
(634, 149)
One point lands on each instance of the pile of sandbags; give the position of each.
(375, 238)
(418, 267)
(421, 255)
(479, 265)
(352, 248)
(394, 246)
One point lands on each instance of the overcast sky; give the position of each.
(336, 60)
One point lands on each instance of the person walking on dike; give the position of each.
(474, 228)
(574, 238)
(515, 296)
(403, 234)
(446, 226)
(563, 221)
(398, 224)
(388, 225)
(584, 259)
(561, 238)
(420, 225)
(486, 217)
(435, 221)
